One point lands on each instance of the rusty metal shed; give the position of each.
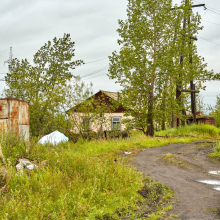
(14, 116)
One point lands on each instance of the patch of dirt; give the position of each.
(180, 166)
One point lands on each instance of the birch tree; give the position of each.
(148, 65)
(138, 66)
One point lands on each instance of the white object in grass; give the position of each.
(127, 153)
(53, 138)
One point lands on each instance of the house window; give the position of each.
(116, 123)
(86, 123)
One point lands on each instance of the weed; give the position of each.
(168, 156)
(81, 180)
(156, 198)
(174, 216)
(216, 153)
(175, 160)
(12, 146)
(204, 129)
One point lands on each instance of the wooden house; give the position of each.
(100, 112)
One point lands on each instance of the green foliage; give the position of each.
(216, 152)
(83, 181)
(203, 129)
(72, 186)
(148, 65)
(215, 112)
(200, 105)
(12, 146)
(47, 84)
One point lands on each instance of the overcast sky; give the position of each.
(26, 25)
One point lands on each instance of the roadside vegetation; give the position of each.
(204, 130)
(93, 179)
(85, 180)
(216, 153)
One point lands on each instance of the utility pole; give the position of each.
(9, 61)
(192, 85)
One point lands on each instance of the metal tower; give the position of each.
(9, 61)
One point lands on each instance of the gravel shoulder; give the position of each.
(180, 166)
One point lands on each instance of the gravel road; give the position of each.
(180, 166)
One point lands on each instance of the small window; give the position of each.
(116, 123)
(86, 123)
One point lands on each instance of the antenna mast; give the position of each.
(9, 61)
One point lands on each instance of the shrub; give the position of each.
(216, 152)
(13, 146)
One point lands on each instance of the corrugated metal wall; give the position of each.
(14, 116)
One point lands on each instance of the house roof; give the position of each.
(112, 95)
(108, 95)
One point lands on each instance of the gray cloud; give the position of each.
(27, 25)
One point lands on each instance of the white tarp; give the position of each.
(53, 138)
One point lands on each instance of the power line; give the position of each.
(208, 6)
(3, 51)
(96, 60)
(209, 41)
(96, 76)
(211, 22)
(16, 52)
(97, 71)
(204, 14)
(214, 11)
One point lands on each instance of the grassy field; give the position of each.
(87, 180)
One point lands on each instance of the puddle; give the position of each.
(217, 188)
(215, 172)
(212, 182)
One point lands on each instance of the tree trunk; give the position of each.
(172, 120)
(183, 120)
(163, 125)
(150, 127)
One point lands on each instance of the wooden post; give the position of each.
(105, 133)
(179, 84)
(194, 103)
(192, 85)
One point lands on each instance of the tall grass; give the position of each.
(216, 152)
(203, 129)
(72, 188)
(86, 180)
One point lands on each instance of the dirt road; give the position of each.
(180, 166)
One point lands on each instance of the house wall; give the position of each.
(97, 123)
